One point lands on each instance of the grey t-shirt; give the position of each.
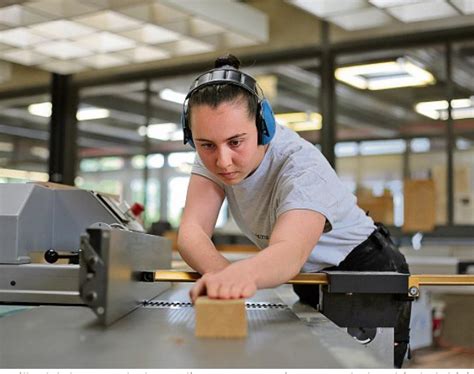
(295, 175)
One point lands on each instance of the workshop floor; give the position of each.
(441, 358)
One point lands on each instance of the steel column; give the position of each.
(327, 97)
(63, 130)
(450, 144)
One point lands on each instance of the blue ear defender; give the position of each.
(265, 120)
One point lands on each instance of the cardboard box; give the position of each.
(419, 205)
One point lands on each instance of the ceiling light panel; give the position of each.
(363, 19)
(61, 8)
(63, 67)
(465, 6)
(151, 34)
(392, 3)
(20, 37)
(62, 29)
(144, 54)
(24, 57)
(102, 61)
(17, 15)
(385, 75)
(104, 42)
(325, 8)
(109, 20)
(460, 109)
(63, 50)
(423, 11)
(187, 46)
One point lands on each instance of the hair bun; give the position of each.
(227, 60)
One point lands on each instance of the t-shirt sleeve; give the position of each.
(200, 169)
(307, 190)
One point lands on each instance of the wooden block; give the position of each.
(217, 318)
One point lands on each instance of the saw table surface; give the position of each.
(161, 335)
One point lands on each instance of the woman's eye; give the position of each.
(207, 146)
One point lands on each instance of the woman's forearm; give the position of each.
(197, 249)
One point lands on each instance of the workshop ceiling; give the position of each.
(96, 39)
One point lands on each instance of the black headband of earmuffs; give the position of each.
(229, 75)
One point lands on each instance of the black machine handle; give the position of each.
(51, 256)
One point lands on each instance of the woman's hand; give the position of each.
(233, 282)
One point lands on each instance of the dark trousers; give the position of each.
(377, 253)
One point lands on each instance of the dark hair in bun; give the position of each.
(227, 60)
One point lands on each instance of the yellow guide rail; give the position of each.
(414, 281)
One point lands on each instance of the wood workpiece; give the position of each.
(217, 318)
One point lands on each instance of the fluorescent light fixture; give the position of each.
(463, 144)
(24, 57)
(62, 67)
(40, 109)
(300, 121)
(17, 15)
(438, 110)
(381, 147)
(87, 114)
(101, 61)
(20, 37)
(419, 145)
(104, 42)
(361, 19)
(63, 50)
(423, 11)
(189, 46)
(391, 3)
(24, 175)
(83, 114)
(162, 131)
(144, 54)
(346, 149)
(385, 75)
(109, 20)
(171, 95)
(324, 8)
(152, 34)
(62, 28)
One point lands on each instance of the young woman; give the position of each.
(282, 193)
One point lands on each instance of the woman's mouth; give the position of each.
(229, 176)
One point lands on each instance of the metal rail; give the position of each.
(414, 281)
(185, 276)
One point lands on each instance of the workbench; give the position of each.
(160, 334)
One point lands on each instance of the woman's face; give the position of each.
(226, 140)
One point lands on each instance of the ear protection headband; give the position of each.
(265, 120)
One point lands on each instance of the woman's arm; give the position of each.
(293, 238)
(203, 202)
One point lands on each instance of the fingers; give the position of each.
(218, 288)
(198, 290)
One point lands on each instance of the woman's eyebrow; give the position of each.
(231, 138)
